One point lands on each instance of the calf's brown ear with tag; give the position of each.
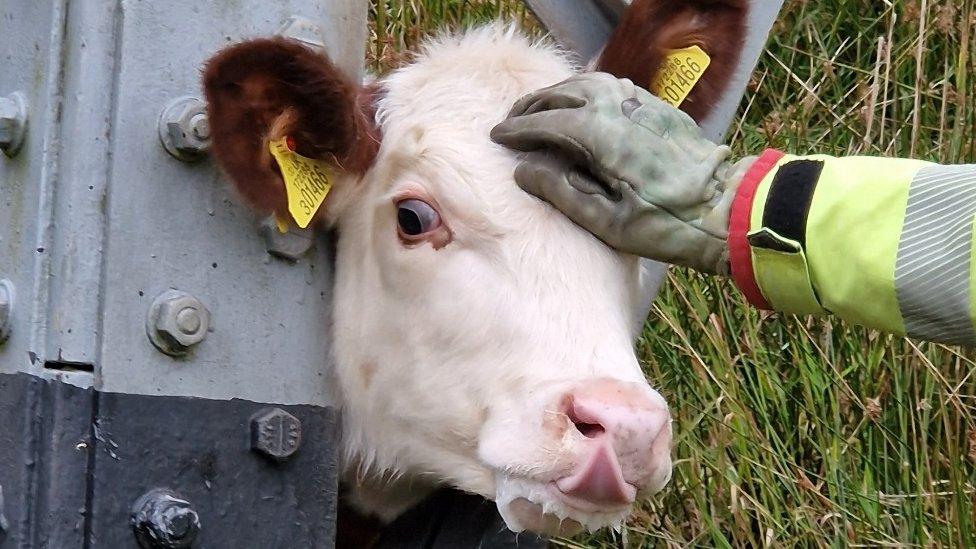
(262, 90)
(650, 29)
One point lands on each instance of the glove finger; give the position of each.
(574, 193)
(585, 182)
(562, 131)
(551, 100)
(522, 104)
(576, 87)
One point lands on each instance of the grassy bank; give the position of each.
(805, 431)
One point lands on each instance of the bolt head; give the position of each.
(188, 321)
(290, 246)
(161, 519)
(275, 433)
(200, 125)
(6, 308)
(184, 128)
(13, 122)
(177, 321)
(9, 119)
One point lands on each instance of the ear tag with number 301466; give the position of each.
(307, 182)
(682, 69)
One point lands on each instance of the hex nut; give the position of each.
(184, 129)
(161, 519)
(275, 433)
(13, 123)
(176, 322)
(6, 308)
(290, 246)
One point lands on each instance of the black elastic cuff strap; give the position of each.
(789, 199)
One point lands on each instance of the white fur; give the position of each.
(447, 358)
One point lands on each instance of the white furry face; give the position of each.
(493, 351)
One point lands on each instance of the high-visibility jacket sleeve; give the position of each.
(885, 243)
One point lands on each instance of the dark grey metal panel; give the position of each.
(44, 458)
(201, 450)
(69, 480)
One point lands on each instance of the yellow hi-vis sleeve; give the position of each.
(885, 243)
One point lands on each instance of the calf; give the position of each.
(481, 339)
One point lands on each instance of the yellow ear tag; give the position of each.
(306, 182)
(681, 71)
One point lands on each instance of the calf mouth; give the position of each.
(541, 507)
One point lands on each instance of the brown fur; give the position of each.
(650, 28)
(268, 88)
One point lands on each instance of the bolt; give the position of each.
(163, 520)
(201, 126)
(6, 308)
(188, 321)
(291, 245)
(176, 322)
(184, 128)
(275, 433)
(13, 122)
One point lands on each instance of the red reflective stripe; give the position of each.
(740, 255)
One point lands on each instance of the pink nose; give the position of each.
(629, 441)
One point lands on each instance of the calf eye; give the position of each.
(416, 217)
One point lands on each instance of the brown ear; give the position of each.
(266, 89)
(649, 29)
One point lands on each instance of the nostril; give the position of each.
(587, 427)
(589, 430)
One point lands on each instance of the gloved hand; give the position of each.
(628, 167)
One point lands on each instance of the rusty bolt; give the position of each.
(13, 122)
(177, 321)
(6, 308)
(163, 520)
(184, 128)
(275, 433)
(291, 245)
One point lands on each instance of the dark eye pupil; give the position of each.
(409, 221)
(416, 217)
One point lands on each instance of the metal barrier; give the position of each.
(162, 373)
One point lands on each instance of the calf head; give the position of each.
(481, 339)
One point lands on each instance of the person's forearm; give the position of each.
(886, 243)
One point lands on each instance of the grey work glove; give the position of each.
(628, 167)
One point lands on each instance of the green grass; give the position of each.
(794, 431)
